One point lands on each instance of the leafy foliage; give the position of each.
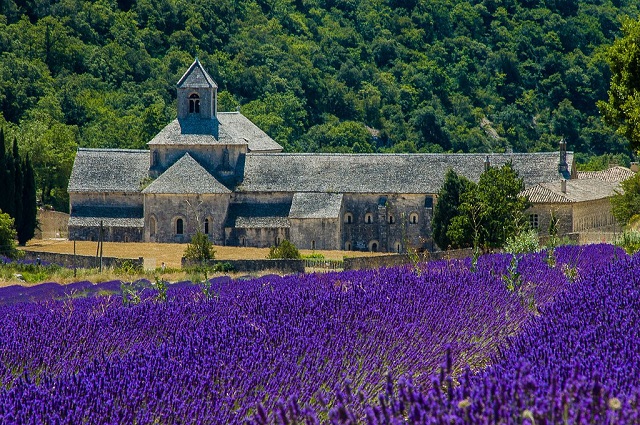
(200, 248)
(625, 204)
(622, 110)
(284, 250)
(486, 213)
(447, 207)
(7, 236)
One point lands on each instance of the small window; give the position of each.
(413, 218)
(373, 246)
(368, 218)
(347, 246)
(533, 221)
(243, 242)
(398, 247)
(277, 240)
(126, 238)
(313, 244)
(392, 220)
(179, 226)
(428, 202)
(348, 218)
(206, 226)
(194, 104)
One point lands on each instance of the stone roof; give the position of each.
(240, 127)
(119, 216)
(316, 205)
(258, 215)
(106, 222)
(188, 177)
(613, 174)
(196, 77)
(578, 190)
(109, 170)
(230, 128)
(383, 173)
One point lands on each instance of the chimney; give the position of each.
(563, 167)
(487, 164)
(634, 167)
(563, 186)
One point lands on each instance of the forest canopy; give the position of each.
(317, 75)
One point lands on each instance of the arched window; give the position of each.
(398, 247)
(373, 246)
(243, 242)
(391, 219)
(179, 226)
(413, 218)
(313, 244)
(155, 159)
(206, 226)
(194, 104)
(368, 218)
(347, 246)
(348, 218)
(152, 226)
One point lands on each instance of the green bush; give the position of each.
(285, 250)
(630, 242)
(523, 242)
(200, 248)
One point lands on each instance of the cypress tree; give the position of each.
(17, 185)
(3, 173)
(29, 204)
(8, 189)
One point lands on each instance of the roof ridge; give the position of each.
(113, 150)
(196, 64)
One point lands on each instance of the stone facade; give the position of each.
(217, 173)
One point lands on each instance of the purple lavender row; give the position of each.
(237, 352)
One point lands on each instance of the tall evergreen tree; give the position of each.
(3, 173)
(29, 204)
(17, 185)
(8, 193)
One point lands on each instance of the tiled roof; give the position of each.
(91, 216)
(186, 176)
(196, 77)
(613, 174)
(109, 170)
(231, 128)
(578, 190)
(240, 127)
(106, 222)
(316, 205)
(383, 173)
(258, 215)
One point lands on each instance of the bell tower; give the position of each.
(197, 93)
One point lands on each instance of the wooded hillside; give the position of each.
(317, 75)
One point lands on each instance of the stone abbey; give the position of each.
(218, 173)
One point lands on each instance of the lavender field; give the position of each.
(543, 338)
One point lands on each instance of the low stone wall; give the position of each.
(81, 261)
(358, 263)
(248, 266)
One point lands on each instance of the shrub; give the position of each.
(523, 242)
(200, 248)
(630, 242)
(285, 250)
(7, 236)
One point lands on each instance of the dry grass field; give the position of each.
(167, 253)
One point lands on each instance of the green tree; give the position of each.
(625, 204)
(29, 222)
(285, 250)
(200, 248)
(17, 185)
(622, 110)
(7, 236)
(447, 207)
(489, 212)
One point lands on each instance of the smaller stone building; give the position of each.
(577, 205)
